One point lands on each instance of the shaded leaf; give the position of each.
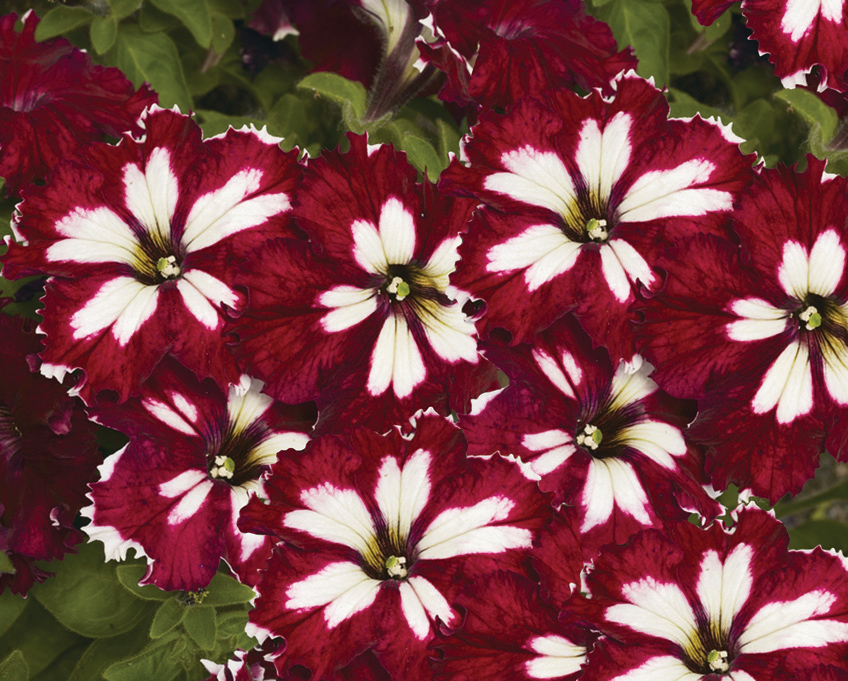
(11, 606)
(156, 661)
(194, 15)
(200, 624)
(829, 534)
(14, 668)
(820, 118)
(121, 9)
(63, 666)
(152, 20)
(107, 651)
(6, 565)
(168, 616)
(224, 590)
(646, 26)
(223, 33)
(103, 32)
(60, 20)
(349, 95)
(152, 58)
(39, 637)
(86, 597)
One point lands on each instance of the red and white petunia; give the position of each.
(584, 194)
(194, 459)
(694, 604)
(141, 238)
(496, 52)
(763, 344)
(509, 633)
(54, 101)
(605, 440)
(370, 329)
(797, 35)
(381, 533)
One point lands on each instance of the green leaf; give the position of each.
(157, 661)
(229, 8)
(422, 155)
(86, 597)
(60, 20)
(683, 105)
(348, 94)
(194, 14)
(223, 33)
(14, 668)
(11, 606)
(200, 624)
(121, 9)
(820, 118)
(107, 651)
(719, 27)
(6, 565)
(63, 666)
(168, 616)
(449, 138)
(39, 637)
(829, 534)
(214, 122)
(103, 32)
(129, 576)
(152, 58)
(647, 27)
(152, 20)
(755, 123)
(224, 590)
(289, 117)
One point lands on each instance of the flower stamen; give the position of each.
(591, 437)
(597, 229)
(398, 288)
(224, 467)
(717, 660)
(168, 267)
(811, 317)
(396, 567)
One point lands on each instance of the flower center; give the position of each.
(590, 437)
(597, 230)
(233, 458)
(398, 289)
(168, 268)
(709, 651)
(717, 661)
(396, 567)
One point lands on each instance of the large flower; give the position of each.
(48, 455)
(141, 238)
(382, 532)
(194, 459)
(587, 191)
(54, 101)
(696, 604)
(371, 331)
(606, 440)
(762, 343)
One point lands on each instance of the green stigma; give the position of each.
(229, 464)
(814, 321)
(713, 656)
(391, 561)
(592, 224)
(402, 290)
(597, 436)
(161, 264)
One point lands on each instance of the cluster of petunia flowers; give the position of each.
(308, 357)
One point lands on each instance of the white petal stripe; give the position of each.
(343, 587)
(397, 232)
(827, 264)
(168, 416)
(402, 494)
(661, 668)
(190, 504)
(544, 249)
(450, 333)
(202, 294)
(612, 481)
(152, 195)
(760, 320)
(788, 384)
(836, 370)
(794, 270)
(535, 177)
(95, 235)
(604, 156)
(614, 274)
(335, 515)
(396, 360)
(463, 531)
(669, 193)
(368, 248)
(226, 211)
(800, 15)
(558, 657)
(351, 306)
(657, 609)
(657, 440)
(790, 624)
(555, 375)
(724, 587)
(421, 602)
(122, 302)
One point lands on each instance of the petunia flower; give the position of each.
(759, 335)
(719, 603)
(195, 457)
(509, 49)
(797, 36)
(54, 101)
(48, 454)
(604, 439)
(584, 194)
(370, 329)
(381, 533)
(141, 239)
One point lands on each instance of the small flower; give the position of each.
(195, 457)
